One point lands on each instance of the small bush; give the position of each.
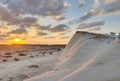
(0, 79)
(33, 66)
(42, 54)
(58, 49)
(22, 54)
(8, 53)
(51, 53)
(4, 60)
(31, 56)
(7, 56)
(16, 59)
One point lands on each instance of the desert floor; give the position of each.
(18, 62)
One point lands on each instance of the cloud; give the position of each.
(22, 12)
(50, 37)
(2, 29)
(96, 3)
(81, 3)
(92, 25)
(110, 1)
(112, 7)
(38, 7)
(5, 15)
(8, 17)
(3, 36)
(93, 29)
(21, 30)
(42, 33)
(59, 28)
(53, 29)
(89, 14)
(66, 4)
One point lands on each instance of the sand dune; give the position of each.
(87, 57)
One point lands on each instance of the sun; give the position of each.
(17, 41)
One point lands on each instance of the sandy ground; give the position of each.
(20, 62)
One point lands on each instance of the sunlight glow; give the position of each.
(17, 41)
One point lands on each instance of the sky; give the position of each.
(55, 21)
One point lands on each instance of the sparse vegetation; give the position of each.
(7, 56)
(22, 76)
(58, 49)
(33, 66)
(21, 54)
(51, 53)
(4, 60)
(16, 59)
(119, 36)
(10, 79)
(31, 56)
(99, 36)
(0, 79)
(42, 54)
(8, 53)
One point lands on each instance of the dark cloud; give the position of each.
(5, 15)
(58, 28)
(91, 25)
(3, 36)
(41, 27)
(61, 18)
(81, 3)
(64, 33)
(42, 33)
(38, 7)
(50, 37)
(89, 14)
(11, 19)
(112, 7)
(21, 30)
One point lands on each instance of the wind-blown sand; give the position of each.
(87, 57)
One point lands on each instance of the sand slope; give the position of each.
(88, 57)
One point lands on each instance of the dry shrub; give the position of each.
(4, 60)
(33, 66)
(16, 59)
(7, 56)
(21, 54)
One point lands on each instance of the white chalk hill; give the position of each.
(87, 57)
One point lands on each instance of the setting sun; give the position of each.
(17, 41)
